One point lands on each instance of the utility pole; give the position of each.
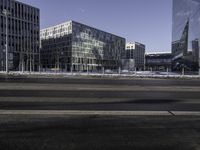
(199, 66)
(30, 62)
(40, 65)
(167, 71)
(103, 70)
(39, 62)
(72, 65)
(6, 13)
(183, 71)
(22, 63)
(119, 71)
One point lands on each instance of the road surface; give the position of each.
(60, 114)
(99, 94)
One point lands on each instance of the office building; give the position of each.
(135, 51)
(186, 34)
(158, 61)
(195, 50)
(23, 28)
(72, 46)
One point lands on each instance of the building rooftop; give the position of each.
(71, 21)
(159, 55)
(26, 4)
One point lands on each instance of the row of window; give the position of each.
(92, 32)
(20, 10)
(58, 32)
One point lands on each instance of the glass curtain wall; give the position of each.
(186, 35)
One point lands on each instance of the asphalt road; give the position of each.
(99, 133)
(99, 94)
(51, 131)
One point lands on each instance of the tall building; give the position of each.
(72, 46)
(23, 36)
(186, 33)
(195, 50)
(136, 51)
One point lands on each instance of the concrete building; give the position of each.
(135, 51)
(72, 46)
(23, 28)
(158, 61)
(186, 35)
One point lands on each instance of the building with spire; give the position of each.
(186, 35)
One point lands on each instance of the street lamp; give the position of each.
(6, 13)
(58, 59)
(59, 55)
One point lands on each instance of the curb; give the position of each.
(100, 113)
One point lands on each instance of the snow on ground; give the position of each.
(141, 74)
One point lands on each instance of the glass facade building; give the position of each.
(186, 35)
(73, 46)
(23, 36)
(158, 61)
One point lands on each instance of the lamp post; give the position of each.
(58, 60)
(6, 13)
(39, 67)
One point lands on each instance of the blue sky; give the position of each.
(145, 21)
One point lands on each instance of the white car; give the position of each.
(108, 71)
(124, 71)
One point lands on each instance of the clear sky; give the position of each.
(145, 21)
